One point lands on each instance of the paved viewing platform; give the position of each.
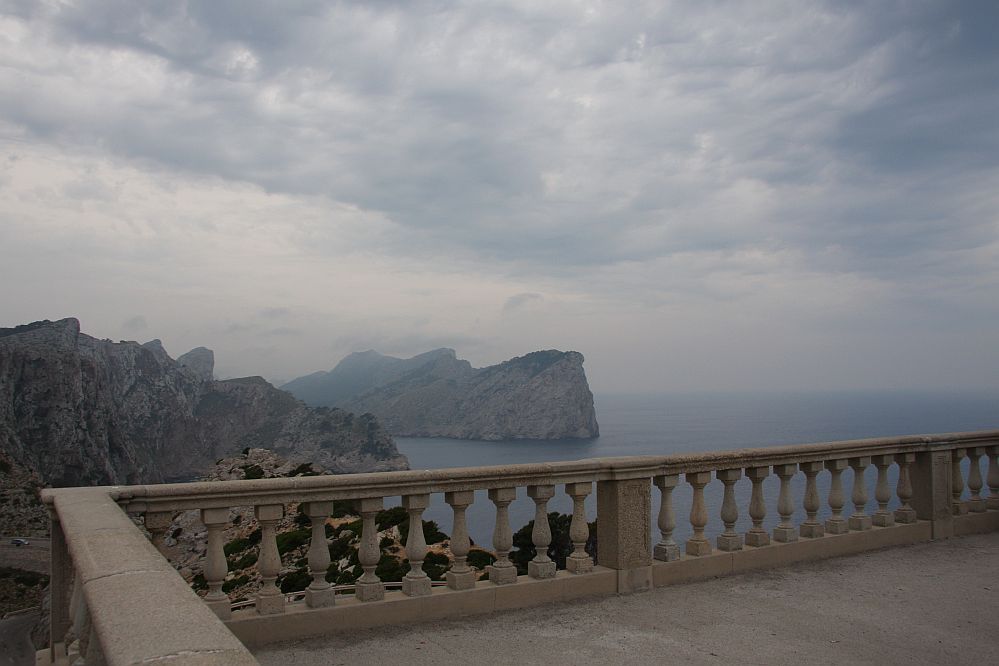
(930, 603)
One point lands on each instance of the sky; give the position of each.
(695, 195)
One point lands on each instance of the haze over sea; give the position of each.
(676, 423)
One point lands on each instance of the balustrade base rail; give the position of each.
(116, 600)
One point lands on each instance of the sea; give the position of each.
(632, 425)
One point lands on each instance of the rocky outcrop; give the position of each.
(542, 395)
(199, 361)
(81, 411)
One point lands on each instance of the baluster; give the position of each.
(811, 528)
(905, 513)
(993, 477)
(579, 562)
(729, 540)
(416, 583)
(785, 531)
(460, 577)
(836, 524)
(369, 587)
(215, 521)
(319, 593)
(882, 493)
(958, 507)
(976, 504)
(697, 544)
(859, 520)
(667, 549)
(502, 571)
(541, 565)
(757, 536)
(269, 598)
(157, 523)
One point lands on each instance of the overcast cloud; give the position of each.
(696, 195)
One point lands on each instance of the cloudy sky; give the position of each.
(696, 195)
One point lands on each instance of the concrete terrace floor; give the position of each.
(932, 603)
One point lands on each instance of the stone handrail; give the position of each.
(97, 545)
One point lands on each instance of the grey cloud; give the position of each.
(518, 301)
(275, 313)
(136, 324)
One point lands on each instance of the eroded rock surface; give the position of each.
(81, 411)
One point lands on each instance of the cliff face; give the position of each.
(543, 395)
(82, 411)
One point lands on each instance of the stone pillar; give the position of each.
(416, 583)
(993, 477)
(579, 562)
(502, 571)
(369, 587)
(624, 536)
(269, 598)
(541, 566)
(882, 493)
(757, 536)
(60, 574)
(811, 528)
(666, 550)
(320, 593)
(859, 520)
(157, 523)
(957, 507)
(931, 491)
(697, 544)
(975, 504)
(460, 577)
(216, 567)
(785, 531)
(836, 524)
(905, 514)
(729, 540)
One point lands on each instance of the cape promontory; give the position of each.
(81, 411)
(541, 395)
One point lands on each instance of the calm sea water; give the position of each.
(664, 424)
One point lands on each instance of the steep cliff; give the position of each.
(82, 411)
(543, 395)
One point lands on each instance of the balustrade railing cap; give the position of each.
(384, 484)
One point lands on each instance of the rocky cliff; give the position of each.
(82, 411)
(543, 395)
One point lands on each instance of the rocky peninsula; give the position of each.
(542, 395)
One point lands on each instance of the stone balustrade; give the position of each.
(116, 599)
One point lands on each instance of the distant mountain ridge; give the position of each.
(83, 411)
(541, 395)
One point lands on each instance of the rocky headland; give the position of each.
(542, 395)
(75, 410)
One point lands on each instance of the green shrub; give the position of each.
(287, 541)
(431, 532)
(233, 583)
(254, 536)
(301, 518)
(236, 546)
(435, 565)
(295, 581)
(390, 517)
(305, 469)
(344, 509)
(480, 559)
(339, 548)
(199, 582)
(247, 560)
(390, 569)
(386, 542)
